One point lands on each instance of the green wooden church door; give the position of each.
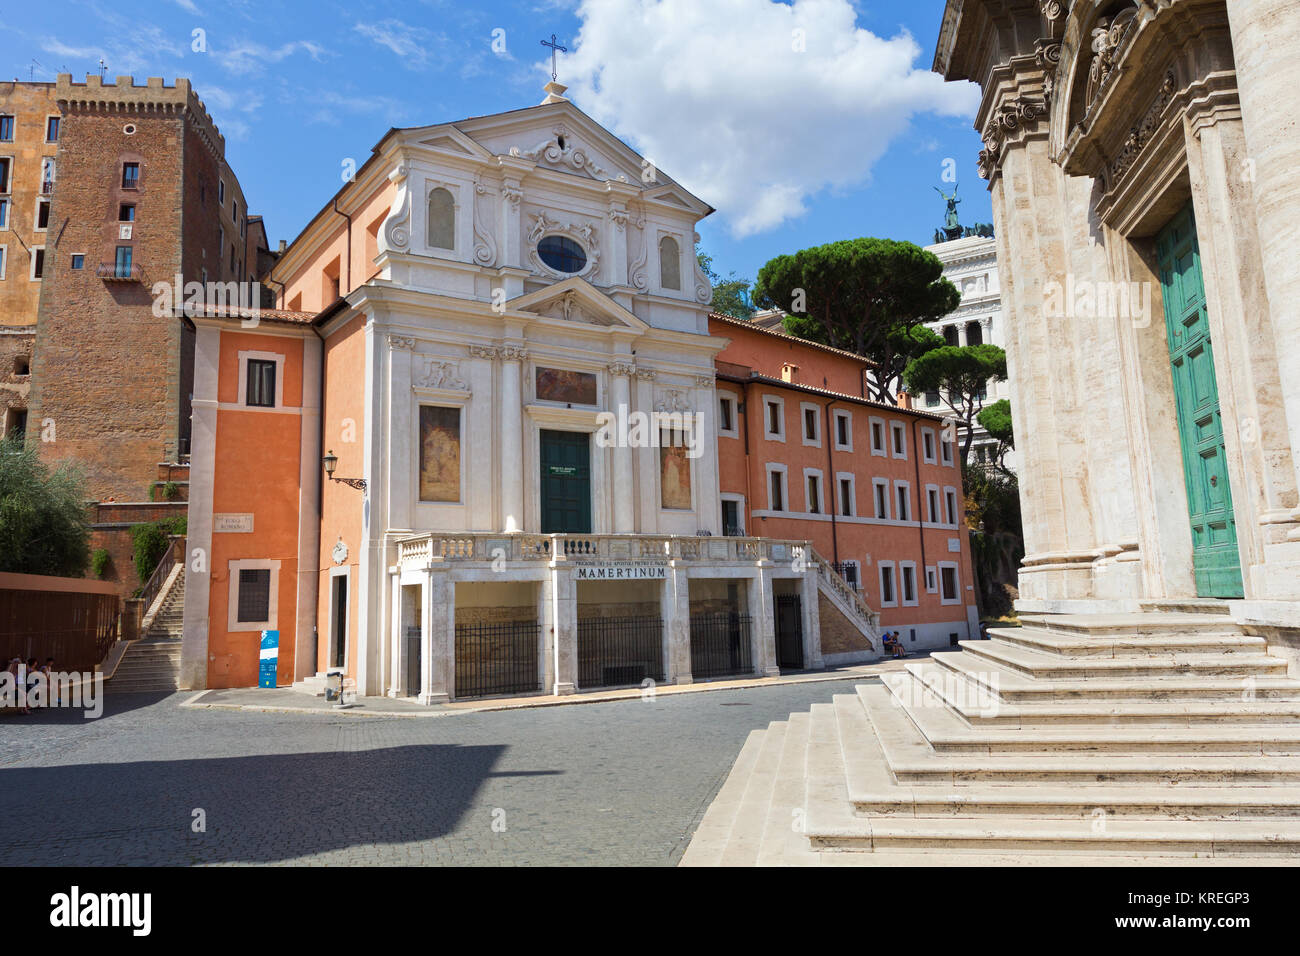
(566, 482)
(1200, 424)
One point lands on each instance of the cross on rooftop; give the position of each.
(554, 47)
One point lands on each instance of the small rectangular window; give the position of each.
(907, 574)
(810, 424)
(221, 191)
(951, 499)
(78, 261)
(254, 595)
(725, 406)
(900, 440)
(122, 264)
(3, 254)
(814, 495)
(945, 450)
(948, 581)
(6, 167)
(52, 129)
(126, 212)
(38, 262)
(773, 418)
(4, 213)
(887, 584)
(842, 430)
(846, 497)
(130, 175)
(261, 384)
(42, 214)
(904, 513)
(878, 437)
(882, 499)
(778, 491)
(6, 129)
(932, 498)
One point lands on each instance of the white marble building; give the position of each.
(971, 264)
(487, 292)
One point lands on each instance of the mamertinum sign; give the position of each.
(621, 571)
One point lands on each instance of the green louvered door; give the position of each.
(1200, 424)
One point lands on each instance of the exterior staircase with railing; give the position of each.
(152, 664)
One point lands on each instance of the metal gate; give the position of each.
(720, 645)
(789, 631)
(497, 658)
(614, 651)
(412, 675)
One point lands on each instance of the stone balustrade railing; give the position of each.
(423, 549)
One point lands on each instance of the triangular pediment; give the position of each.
(577, 301)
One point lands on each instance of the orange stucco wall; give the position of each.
(744, 472)
(343, 423)
(256, 471)
(327, 253)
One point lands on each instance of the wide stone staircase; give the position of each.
(1167, 738)
(153, 663)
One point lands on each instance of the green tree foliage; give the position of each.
(730, 295)
(862, 295)
(960, 373)
(996, 420)
(997, 542)
(149, 543)
(44, 528)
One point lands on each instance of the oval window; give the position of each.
(562, 254)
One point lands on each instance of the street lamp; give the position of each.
(331, 461)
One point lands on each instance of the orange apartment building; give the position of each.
(802, 453)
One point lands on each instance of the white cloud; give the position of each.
(250, 57)
(718, 97)
(413, 44)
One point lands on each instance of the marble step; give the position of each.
(947, 733)
(912, 760)
(1015, 686)
(1129, 625)
(1070, 645)
(751, 813)
(981, 708)
(710, 837)
(783, 842)
(833, 827)
(1043, 666)
(872, 790)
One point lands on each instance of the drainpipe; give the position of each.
(920, 515)
(347, 265)
(743, 409)
(835, 486)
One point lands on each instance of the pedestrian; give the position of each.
(33, 676)
(984, 631)
(19, 673)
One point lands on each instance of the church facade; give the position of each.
(1142, 157)
(496, 339)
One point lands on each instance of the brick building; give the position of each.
(804, 454)
(142, 193)
(29, 133)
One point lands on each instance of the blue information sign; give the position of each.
(269, 657)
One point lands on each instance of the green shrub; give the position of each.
(149, 543)
(44, 527)
(98, 562)
(171, 491)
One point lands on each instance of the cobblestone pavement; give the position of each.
(611, 783)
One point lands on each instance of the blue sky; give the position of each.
(802, 123)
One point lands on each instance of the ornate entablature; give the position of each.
(1012, 119)
(1125, 66)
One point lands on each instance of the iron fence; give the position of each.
(720, 645)
(412, 677)
(497, 658)
(614, 651)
